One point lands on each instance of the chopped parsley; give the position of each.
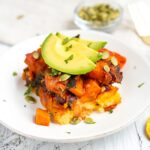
(99, 56)
(29, 90)
(89, 44)
(68, 59)
(57, 34)
(65, 41)
(67, 48)
(140, 85)
(14, 73)
(54, 72)
(111, 111)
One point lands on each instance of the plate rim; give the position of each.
(87, 138)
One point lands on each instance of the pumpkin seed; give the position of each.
(89, 121)
(106, 68)
(64, 77)
(36, 55)
(114, 61)
(100, 14)
(75, 121)
(105, 55)
(30, 99)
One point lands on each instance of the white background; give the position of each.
(43, 16)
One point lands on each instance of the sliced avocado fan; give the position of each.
(58, 55)
(95, 45)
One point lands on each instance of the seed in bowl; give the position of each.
(100, 14)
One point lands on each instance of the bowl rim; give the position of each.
(90, 23)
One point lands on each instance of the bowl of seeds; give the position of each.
(104, 15)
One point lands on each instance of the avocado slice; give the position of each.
(55, 55)
(78, 47)
(95, 45)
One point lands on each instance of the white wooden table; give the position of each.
(21, 19)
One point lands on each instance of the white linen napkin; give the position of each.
(140, 14)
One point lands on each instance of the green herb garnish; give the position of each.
(67, 48)
(68, 59)
(111, 111)
(14, 73)
(29, 90)
(75, 121)
(57, 34)
(54, 72)
(30, 99)
(89, 121)
(99, 56)
(140, 85)
(65, 41)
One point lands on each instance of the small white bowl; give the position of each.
(84, 24)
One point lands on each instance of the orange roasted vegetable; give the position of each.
(92, 89)
(121, 59)
(78, 89)
(100, 74)
(79, 95)
(35, 65)
(42, 117)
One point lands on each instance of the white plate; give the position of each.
(18, 118)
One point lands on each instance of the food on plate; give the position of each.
(42, 117)
(73, 78)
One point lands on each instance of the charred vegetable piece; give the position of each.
(71, 83)
(78, 89)
(37, 81)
